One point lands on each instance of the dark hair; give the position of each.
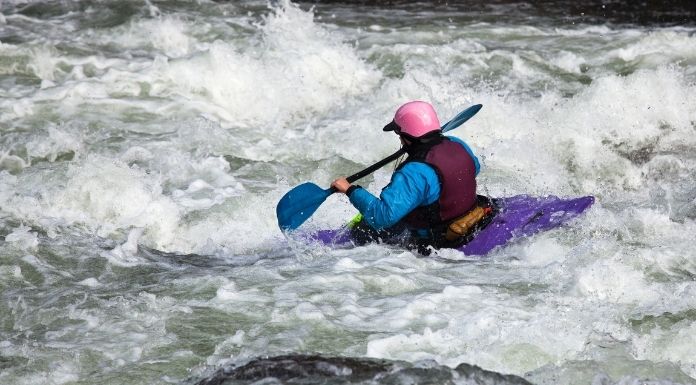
(427, 138)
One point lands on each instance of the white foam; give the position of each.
(545, 250)
(43, 64)
(126, 253)
(347, 264)
(609, 281)
(108, 196)
(11, 163)
(23, 238)
(11, 272)
(658, 48)
(90, 282)
(676, 344)
(297, 62)
(568, 61)
(57, 142)
(168, 35)
(58, 374)
(226, 291)
(389, 284)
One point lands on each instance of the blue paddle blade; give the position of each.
(461, 118)
(299, 204)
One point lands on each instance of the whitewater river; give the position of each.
(144, 146)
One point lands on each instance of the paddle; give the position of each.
(298, 204)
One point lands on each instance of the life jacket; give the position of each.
(456, 172)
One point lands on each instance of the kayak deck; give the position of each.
(519, 216)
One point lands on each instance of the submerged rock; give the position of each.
(314, 369)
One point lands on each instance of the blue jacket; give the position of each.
(415, 184)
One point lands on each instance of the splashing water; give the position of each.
(144, 147)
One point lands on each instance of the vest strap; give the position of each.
(461, 226)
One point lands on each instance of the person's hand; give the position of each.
(341, 185)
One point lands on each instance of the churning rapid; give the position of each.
(144, 146)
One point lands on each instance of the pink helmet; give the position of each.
(414, 119)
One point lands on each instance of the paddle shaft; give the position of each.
(298, 204)
(452, 124)
(376, 166)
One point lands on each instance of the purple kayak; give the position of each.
(519, 216)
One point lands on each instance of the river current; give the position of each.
(144, 146)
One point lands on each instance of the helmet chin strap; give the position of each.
(423, 143)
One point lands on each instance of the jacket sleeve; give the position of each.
(468, 150)
(413, 185)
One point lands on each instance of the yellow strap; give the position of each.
(356, 219)
(461, 226)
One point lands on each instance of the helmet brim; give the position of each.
(392, 126)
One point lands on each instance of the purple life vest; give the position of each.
(456, 172)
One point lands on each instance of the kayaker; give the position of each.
(431, 199)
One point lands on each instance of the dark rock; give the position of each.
(314, 369)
